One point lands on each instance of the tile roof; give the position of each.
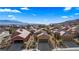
(23, 33)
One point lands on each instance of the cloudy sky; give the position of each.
(43, 15)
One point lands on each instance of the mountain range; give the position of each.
(4, 22)
(76, 21)
(69, 22)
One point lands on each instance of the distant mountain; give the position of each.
(10, 22)
(76, 21)
(70, 22)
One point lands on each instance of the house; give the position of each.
(43, 36)
(4, 36)
(45, 41)
(76, 28)
(21, 34)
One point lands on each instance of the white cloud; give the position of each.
(12, 17)
(9, 10)
(25, 8)
(65, 17)
(67, 8)
(76, 13)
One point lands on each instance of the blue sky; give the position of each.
(42, 15)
